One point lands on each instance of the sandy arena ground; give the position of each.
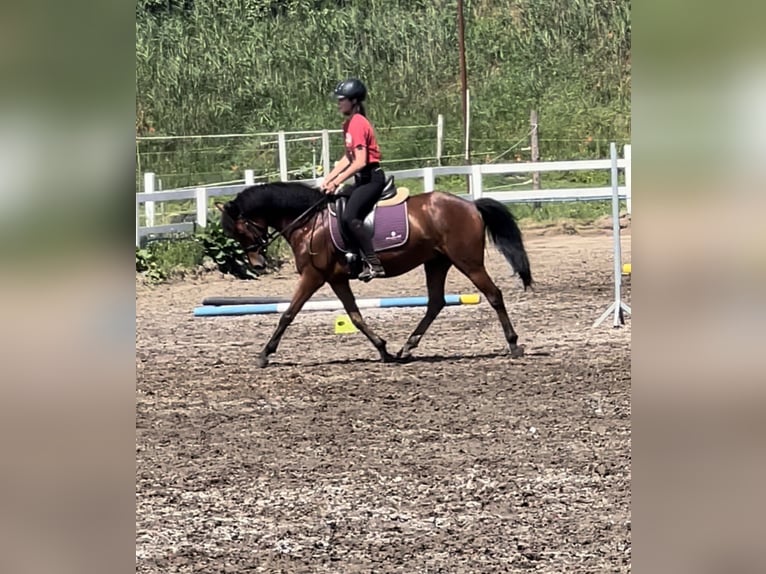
(463, 460)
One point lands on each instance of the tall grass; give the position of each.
(207, 66)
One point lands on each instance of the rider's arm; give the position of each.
(360, 160)
(342, 164)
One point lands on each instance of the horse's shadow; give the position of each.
(414, 360)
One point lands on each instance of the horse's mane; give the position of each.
(291, 197)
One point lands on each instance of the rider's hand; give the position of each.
(330, 187)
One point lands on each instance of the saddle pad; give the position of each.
(392, 228)
(401, 194)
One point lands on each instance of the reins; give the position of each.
(264, 239)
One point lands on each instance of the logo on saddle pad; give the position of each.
(388, 224)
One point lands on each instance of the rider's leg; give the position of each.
(344, 221)
(360, 203)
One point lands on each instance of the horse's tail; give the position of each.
(506, 235)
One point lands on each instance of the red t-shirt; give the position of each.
(358, 133)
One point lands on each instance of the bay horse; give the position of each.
(440, 230)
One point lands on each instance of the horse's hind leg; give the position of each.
(307, 286)
(436, 275)
(343, 290)
(479, 277)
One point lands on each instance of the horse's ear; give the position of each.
(229, 208)
(232, 209)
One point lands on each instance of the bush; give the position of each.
(172, 255)
(226, 252)
(177, 254)
(146, 263)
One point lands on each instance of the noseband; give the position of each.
(262, 238)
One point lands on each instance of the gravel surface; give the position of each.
(464, 460)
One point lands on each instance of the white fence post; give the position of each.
(628, 170)
(428, 179)
(202, 206)
(439, 138)
(249, 177)
(282, 145)
(149, 182)
(476, 184)
(138, 224)
(325, 153)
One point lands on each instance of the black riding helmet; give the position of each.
(352, 89)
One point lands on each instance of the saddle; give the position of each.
(390, 196)
(387, 224)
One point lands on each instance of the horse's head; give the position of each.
(250, 232)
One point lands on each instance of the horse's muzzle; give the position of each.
(256, 259)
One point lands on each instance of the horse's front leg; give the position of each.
(308, 284)
(343, 290)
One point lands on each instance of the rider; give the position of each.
(362, 160)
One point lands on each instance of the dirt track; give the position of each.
(328, 461)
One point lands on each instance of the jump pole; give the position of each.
(331, 305)
(617, 307)
(218, 301)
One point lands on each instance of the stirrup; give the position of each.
(371, 272)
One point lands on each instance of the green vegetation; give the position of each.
(584, 212)
(213, 67)
(148, 265)
(209, 249)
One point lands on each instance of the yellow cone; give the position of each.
(343, 325)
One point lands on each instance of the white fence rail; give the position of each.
(476, 173)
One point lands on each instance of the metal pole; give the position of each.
(618, 318)
(617, 307)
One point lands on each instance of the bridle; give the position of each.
(262, 239)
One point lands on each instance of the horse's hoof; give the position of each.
(517, 351)
(262, 361)
(387, 358)
(403, 355)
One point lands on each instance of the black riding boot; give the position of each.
(374, 268)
